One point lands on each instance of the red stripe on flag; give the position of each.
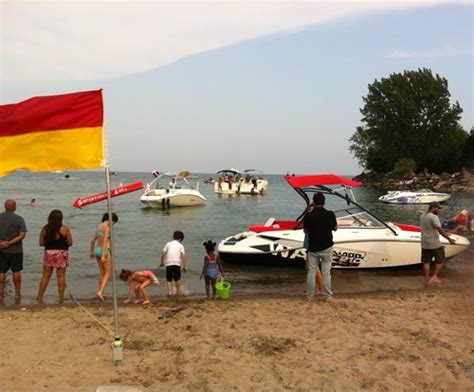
(50, 113)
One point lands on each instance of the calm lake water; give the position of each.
(141, 233)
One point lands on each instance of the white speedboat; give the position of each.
(423, 196)
(361, 241)
(173, 190)
(234, 182)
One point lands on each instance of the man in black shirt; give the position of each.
(319, 223)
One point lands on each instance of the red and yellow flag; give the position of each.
(57, 132)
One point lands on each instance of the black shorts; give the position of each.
(173, 272)
(13, 261)
(427, 255)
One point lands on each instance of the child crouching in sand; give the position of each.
(137, 282)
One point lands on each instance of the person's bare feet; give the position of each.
(100, 296)
(137, 301)
(146, 302)
(434, 279)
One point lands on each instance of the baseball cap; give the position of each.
(434, 204)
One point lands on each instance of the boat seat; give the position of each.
(345, 222)
(269, 222)
(276, 225)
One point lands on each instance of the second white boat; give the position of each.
(423, 196)
(173, 190)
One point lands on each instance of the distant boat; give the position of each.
(423, 196)
(173, 190)
(233, 182)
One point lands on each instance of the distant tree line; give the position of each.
(409, 123)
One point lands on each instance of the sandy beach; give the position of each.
(403, 340)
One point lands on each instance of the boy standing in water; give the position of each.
(173, 258)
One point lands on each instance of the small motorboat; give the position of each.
(234, 182)
(423, 196)
(173, 190)
(362, 240)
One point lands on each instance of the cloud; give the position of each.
(429, 53)
(48, 43)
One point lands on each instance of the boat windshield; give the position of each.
(230, 173)
(254, 173)
(353, 216)
(341, 200)
(173, 181)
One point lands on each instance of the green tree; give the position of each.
(467, 159)
(404, 166)
(409, 116)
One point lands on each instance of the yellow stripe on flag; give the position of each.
(79, 148)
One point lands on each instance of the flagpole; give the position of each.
(117, 344)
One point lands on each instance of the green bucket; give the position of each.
(222, 289)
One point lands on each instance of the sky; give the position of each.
(206, 86)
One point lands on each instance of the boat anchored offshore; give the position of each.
(234, 182)
(362, 240)
(173, 190)
(423, 196)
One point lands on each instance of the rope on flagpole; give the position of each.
(91, 315)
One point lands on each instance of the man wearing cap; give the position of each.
(431, 247)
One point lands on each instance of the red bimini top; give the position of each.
(319, 179)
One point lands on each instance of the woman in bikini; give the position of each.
(100, 250)
(56, 239)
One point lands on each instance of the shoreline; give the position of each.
(461, 181)
(201, 299)
(458, 274)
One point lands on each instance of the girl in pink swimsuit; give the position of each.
(137, 283)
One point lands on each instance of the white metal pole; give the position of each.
(117, 344)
